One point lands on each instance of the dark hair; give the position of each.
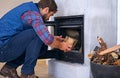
(48, 3)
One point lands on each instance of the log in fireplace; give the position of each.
(73, 27)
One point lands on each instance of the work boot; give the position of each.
(28, 76)
(9, 72)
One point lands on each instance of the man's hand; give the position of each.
(60, 44)
(66, 47)
(59, 38)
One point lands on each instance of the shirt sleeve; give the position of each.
(34, 19)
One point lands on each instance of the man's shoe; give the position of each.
(9, 72)
(28, 76)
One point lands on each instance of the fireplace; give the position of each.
(73, 27)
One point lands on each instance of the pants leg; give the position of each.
(44, 54)
(17, 62)
(16, 45)
(20, 60)
(26, 42)
(31, 56)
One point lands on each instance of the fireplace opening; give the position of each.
(73, 33)
(71, 27)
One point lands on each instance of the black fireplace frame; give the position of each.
(73, 21)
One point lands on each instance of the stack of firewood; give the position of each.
(105, 56)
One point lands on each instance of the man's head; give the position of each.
(47, 8)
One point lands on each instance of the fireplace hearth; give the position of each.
(73, 27)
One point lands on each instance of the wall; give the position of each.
(71, 7)
(100, 20)
(6, 5)
(118, 22)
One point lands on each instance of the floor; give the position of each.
(41, 69)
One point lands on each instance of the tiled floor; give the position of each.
(41, 69)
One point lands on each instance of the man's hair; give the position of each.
(48, 3)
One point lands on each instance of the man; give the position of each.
(24, 37)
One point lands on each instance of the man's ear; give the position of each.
(46, 10)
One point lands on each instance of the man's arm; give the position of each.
(34, 19)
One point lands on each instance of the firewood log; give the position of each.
(109, 50)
